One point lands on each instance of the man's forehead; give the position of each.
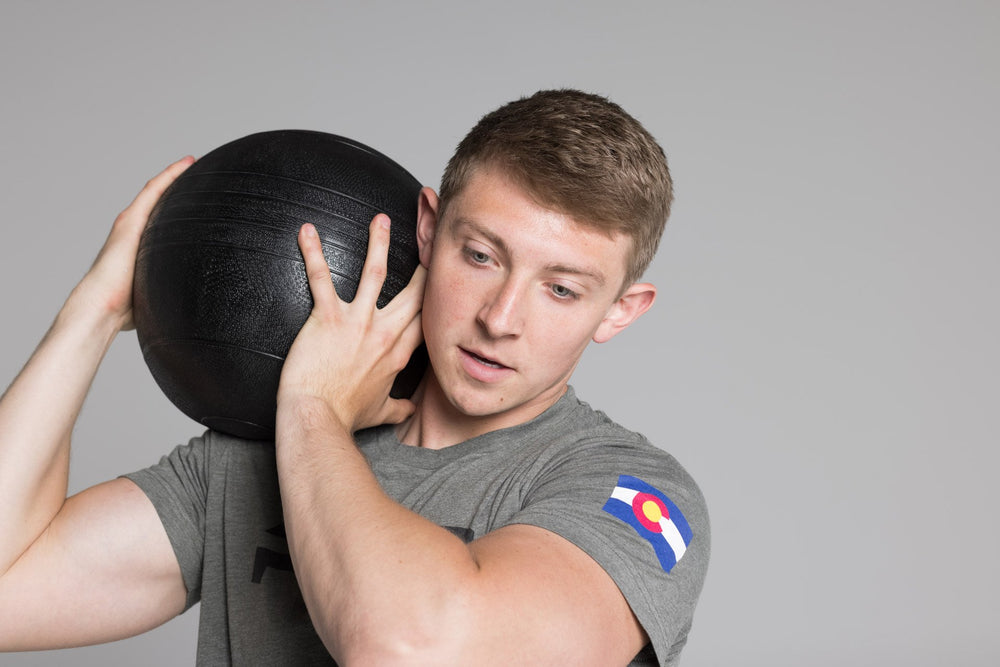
(493, 177)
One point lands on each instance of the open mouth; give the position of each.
(485, 361)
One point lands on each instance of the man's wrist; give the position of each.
(302, 415)
(83, 314)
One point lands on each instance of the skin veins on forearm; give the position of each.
(37, 414)
(421, 564)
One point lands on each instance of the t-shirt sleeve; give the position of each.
(177, 487)
(638, 513)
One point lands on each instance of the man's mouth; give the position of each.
(485, 361)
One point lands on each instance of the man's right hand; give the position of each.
(108, 284)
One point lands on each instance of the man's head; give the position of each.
(579, 154)
(550, 210)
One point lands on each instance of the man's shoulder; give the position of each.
(210, 456)
(597, 444)
(579, 426)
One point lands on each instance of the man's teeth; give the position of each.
(487, 362)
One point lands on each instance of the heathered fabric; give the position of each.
(219, 500)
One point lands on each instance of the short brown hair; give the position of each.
(579, 154)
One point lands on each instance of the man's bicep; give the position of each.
(103, 570)
(549, 601)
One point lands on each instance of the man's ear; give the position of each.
(635, 301)
(427, 217)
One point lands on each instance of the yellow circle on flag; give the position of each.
(652, 511)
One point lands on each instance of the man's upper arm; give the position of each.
(103, 570)
(643, 521)
(542, 600)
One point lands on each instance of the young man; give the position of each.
(493, 518)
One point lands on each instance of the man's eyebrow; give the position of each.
(594, 274)
(461, 222)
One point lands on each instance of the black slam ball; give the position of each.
(220, 286)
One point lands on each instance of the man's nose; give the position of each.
(503, 314)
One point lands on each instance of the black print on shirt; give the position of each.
(464, 534)
(268, 558)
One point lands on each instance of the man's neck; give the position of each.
(437, 423)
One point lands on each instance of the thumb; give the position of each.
(397, 410)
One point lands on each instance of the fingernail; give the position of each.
(385, 222)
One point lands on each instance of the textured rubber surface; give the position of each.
(220, 287)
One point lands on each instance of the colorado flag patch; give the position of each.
(654, 516)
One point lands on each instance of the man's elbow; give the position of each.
(391, 648)
(389, 640)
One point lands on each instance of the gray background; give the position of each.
(822, 355)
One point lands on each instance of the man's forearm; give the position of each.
(37, 414)
(375, 576)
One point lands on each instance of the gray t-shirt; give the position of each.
(571, 470)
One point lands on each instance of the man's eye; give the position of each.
(562, 291)
(478, 257)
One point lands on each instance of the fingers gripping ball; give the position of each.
(220, 287)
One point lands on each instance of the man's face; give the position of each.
(515, 292)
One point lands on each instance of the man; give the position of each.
(494, 518)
